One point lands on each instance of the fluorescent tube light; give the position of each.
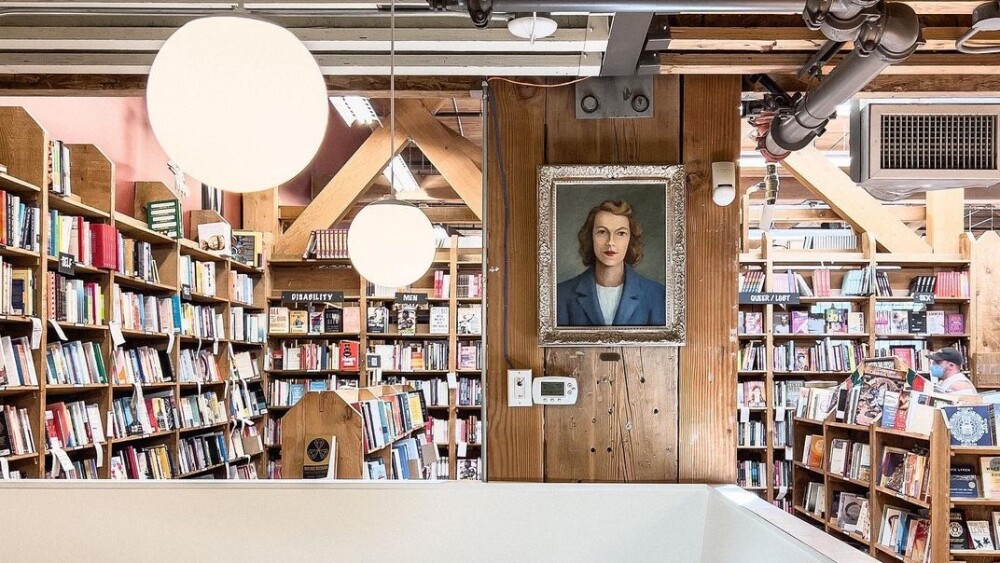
(355, 109)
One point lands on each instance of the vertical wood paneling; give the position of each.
(707, 389)
(624, 427)
(514, 446)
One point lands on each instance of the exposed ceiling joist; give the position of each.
(770, 39)
(782, 63)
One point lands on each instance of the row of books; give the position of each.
(19, 223)
(978, 535)
(850, 459)
(903, 318)
(470, 392)
(272, 432)
(17, 287)
(74, 424)
(57, 164)
(469, 430)
(436, 391)
(75, 301)
(407, 459)
(906, 533)
(144, 365)
(242, 471)
(75, 363)
(246, 402)
(436, 431)
(90, 244)
(140, 312)
(288, 392)
(244, 367)
(247, 326)
(412, 356)
(821, 318)
(752, 357)
(751, 434)
(16, 437)
(816, 400)
(246, 441)
(751, 474)
(241, 288)
(826, 355)
(850, 511)
(316, 319)
(813, 450)
(17, 367)
(786, 393)
(814, 501)
(78, 469)
(343, 355)
(751, 281)
(201, 410)
(136, 260)
(198, 276)
(196, 453)
(138, 415)
(327, 244)
(386, 419)
(751, 394)
(942, 284)
(783, 431)
(198, 366)
(782, 473)
(150, 462)
(907, 472)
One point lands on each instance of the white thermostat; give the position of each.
(554, 390)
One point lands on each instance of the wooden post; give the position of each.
(945, 220)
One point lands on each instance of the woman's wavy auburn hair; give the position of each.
(586, 235)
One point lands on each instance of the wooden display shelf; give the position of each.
(150, 386)
(190, 248)
(311, 373)
(890, 552)
(127, 439)
(203, 299)
(835, 299)
(903, 498)
(396, 336)
(830, 335)
(66, 325)
(144, 334)
(909, 298)
(64, 389)
(347, 298)
(751, 336)
(975, 450)
(202, 471)
(12, 390)
(845, 479)
(832, 524)
(79, 269)
(141, 284)
(296, 262)
(961, 501)
(71, 206)
(814, 517)
(846, 426)
(22, 457)
(909, 336)
(975, 553)
(15, 252)
(469, 407)
(808, 421)
(921, 260)
(326, 336)
(901, 433)
(9, 183)
(202, 428)
(16, 319)
(816, 470)
(137, 230)
(752, 448)
(245, 269)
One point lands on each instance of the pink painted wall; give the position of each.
(120, 128)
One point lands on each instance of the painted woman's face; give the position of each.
(611, 238)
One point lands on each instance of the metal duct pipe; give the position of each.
(895, 41)
(657, 6)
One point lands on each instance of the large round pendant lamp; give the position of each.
(239, 103)
(391, 243)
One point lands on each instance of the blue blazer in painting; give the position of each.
(643, 301)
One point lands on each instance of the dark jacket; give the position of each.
(643, 301)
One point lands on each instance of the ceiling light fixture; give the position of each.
(238, 103)
(355, 109)
(532, 26)
(400, 177)
(391, 242)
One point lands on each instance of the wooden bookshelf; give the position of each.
(24, 148)
(338, 275)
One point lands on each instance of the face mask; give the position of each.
(937, 370)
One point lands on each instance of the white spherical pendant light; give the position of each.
(240, 104)
(391, 243)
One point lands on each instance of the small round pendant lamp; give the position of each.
(240, 104)
(391, 243)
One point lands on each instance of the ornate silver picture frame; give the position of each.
(611, 255)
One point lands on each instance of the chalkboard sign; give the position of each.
(374, 361)
(924, 298)
(769, 299)
(412, 298)
(67, 266)
(292, 297)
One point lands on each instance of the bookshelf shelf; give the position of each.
(832, 525)
(752, 336)
(15, 319)
(325, 336)
(205, 299)
(832, 336)
(71, 206)
(956, 501)
(975, 450)
(203, 471)
(903, 498)
(14, 252)
(901, 434)
(810, 515)
(191, 248)
(311, 373)
(143, 285)
(203, 428)
(145, 386)
(143, 335)
(909, 299)
(135, 229)
(393, 336)
(920, 336)
(78, 269)
(154, 435)
(808, 421)
(844, 479)
(752, 448)
(975, 553)
(845, 426)
(835, 299)
(9, 183)
(23, 457)
(18, 390)
(921, 260)
(82, 326)
(64, 389)
(817, 470)
(469, 407)
(886, 551)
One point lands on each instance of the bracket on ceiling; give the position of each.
(615, 96)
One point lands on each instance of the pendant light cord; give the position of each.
(392, 99)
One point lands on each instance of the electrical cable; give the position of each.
(560, 85)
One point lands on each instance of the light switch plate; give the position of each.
(519, 388)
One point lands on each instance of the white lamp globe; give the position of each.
(240, 104)
(391, 243)
(723, 195)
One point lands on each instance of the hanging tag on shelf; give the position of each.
(4, 468)
(99, 450)
(117, 338)
(782, 491)
(36, 333)
(170, 341)
(58, 329)
(452, 380)
(462, 449)
(744, 414)
(779, 414)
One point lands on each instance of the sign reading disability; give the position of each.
(769, 299)
(312, 296)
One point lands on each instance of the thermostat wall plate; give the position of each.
(554, 390)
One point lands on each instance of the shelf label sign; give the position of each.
(923, 297)
(769, 299)
(411, 298)
(185, 291)
(290, 297)
(67, 266)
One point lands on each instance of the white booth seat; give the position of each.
(286, 521)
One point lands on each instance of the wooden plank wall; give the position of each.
(656, 414)
(707, 385)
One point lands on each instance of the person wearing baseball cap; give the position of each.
(946, 372)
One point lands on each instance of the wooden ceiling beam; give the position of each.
(905, 213)
(903, 85)
(447, 151)
(342, 192)
(852, 202)
(447, 214)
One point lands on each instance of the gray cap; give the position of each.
(949, 355)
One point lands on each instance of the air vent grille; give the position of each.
(938, 142)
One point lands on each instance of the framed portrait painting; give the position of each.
(611, 255)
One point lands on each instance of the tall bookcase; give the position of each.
(900, 269)
(339, 276)
(24, 149)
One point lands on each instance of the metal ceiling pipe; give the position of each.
(899, 37)
(656, 6)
